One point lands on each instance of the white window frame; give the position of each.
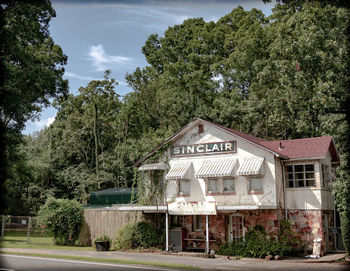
(304, 172)
(326, 176)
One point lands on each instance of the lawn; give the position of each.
(18, 239)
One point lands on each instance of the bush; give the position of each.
(133, 235)
(102, 238)
(256, 245)
(64, 218)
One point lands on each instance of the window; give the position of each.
(177, 220)
(255, 184)
(300, 175)
(229, 185)
(197, 223)
(213, 186)
(184, 187)
(326, 176)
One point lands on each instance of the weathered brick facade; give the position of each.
(307, 224)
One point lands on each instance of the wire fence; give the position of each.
(17, 224)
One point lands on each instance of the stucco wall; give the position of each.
(311, 198)
(244, 150)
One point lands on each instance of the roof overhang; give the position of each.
(146, 209)
(244, 207)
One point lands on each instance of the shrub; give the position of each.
(102, 238)
(133, 235)
(64, 218)
(256, 245)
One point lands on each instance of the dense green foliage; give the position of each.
(256, 245)
(31, 70)
(136, 234)
(278, 77)
(64, 218)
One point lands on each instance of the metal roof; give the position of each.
(111, 196)
(251, 166)
(217, 168)
(156, 166)
(179, 171)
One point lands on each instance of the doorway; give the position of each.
(236, 227)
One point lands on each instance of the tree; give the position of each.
(31, 67)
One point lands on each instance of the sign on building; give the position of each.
(206, 148)
(192, 208)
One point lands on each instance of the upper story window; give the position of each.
(326, 176)
(229, 185)
(255, 184)
(213, 186)
(300, 175)
(220, 185)
(184, 187)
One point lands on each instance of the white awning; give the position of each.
(217, 168)
(251, 166)
(156, 166)
(179, 171)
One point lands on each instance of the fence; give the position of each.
(16, 223)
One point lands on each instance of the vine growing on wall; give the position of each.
(151, 184)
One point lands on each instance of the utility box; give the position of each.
(177, 238)
(317, 247)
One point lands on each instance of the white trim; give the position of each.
(155, 166)
(305, 158)
(243, 207)
(156, 209)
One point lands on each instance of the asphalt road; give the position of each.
(28, 263)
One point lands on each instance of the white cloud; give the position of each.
(101, 59)
(40, 124)
(77, 76)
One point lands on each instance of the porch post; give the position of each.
(166, 231)
(207, 234)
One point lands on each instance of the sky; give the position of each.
(101, 35)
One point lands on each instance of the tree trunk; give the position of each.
(96, 146)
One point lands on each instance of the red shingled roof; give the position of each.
(304, 147)
(295, 148)
(315, 147)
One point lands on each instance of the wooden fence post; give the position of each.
(3, 227)
(28, 231)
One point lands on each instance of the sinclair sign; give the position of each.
(206, 148)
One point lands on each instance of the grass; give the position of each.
(106, 260)
(18, 239)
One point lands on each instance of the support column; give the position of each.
(166, 231)
(207, 234)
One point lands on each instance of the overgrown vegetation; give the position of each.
(64, 218)
(278, 77)
(257, 244)
(136, 235)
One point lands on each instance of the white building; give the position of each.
(220, 183)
